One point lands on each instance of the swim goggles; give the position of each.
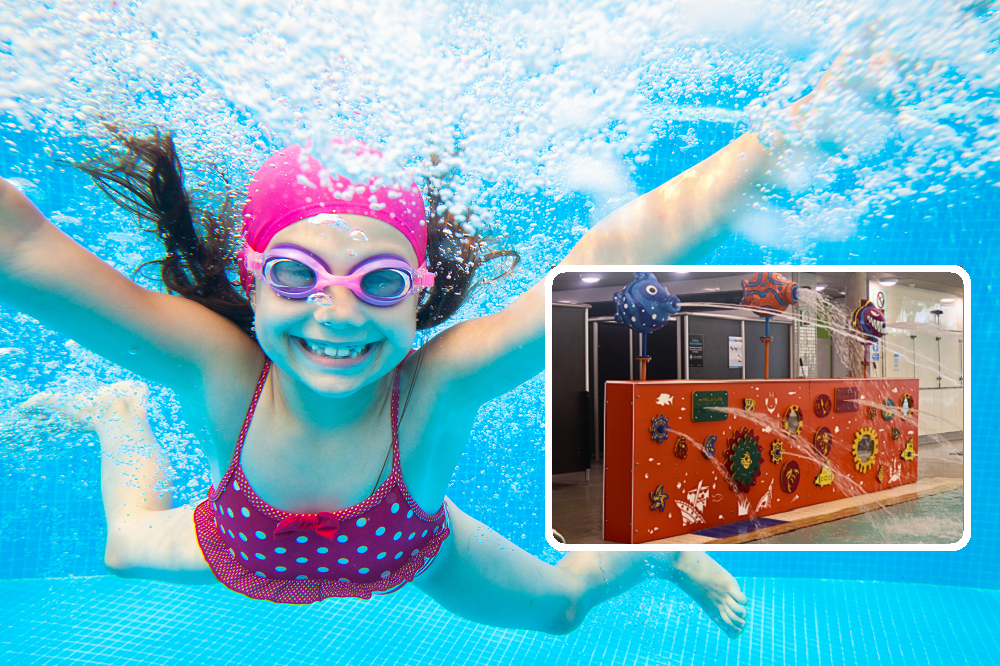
(294, 272)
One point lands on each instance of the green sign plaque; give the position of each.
(704, 401)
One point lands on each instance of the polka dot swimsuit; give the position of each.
(374, 547)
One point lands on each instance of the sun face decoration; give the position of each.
(864, 449)
(743, 459)
(660, 429)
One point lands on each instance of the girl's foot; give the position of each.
(705, 581)
(84, 410)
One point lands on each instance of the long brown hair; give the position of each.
(201, 244)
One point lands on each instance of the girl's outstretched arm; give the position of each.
(480, 359)
(168, 339)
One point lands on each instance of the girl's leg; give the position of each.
(147, 538)
(485, 578)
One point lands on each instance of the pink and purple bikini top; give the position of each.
(376, 546)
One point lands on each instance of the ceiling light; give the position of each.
(888, 282)
(820, 287)
(591, 279)
(950, 299)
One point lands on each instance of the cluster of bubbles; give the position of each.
(545, 97)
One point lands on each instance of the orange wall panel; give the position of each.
(701, 490)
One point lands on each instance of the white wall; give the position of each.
(912, 332)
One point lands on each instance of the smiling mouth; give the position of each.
(336, 351)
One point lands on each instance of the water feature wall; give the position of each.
(686, 456)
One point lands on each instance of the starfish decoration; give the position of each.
(659, 499)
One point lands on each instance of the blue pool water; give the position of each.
(808, 608)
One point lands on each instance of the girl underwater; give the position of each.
(332, 483)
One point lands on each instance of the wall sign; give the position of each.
(845, 399)
(735, 352)
(702, 403)
(696, 350)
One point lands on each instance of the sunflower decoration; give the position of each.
(864, 449)
(744, 459)
(660, 429)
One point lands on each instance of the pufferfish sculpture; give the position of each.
(644, 304)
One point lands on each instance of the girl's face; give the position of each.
(339, 348)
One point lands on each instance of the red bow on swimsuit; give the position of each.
(323, 523)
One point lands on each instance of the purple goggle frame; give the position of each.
(400, 279)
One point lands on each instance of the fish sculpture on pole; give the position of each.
(645, 305)
(869, 321)
(768, 294)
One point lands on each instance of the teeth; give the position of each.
(335, 352)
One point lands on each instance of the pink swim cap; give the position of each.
(292, 186)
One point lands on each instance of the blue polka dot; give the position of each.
(243, 536)
(424, 534)
(259, 556)
(412, 534)
(302, 578)
(398, 555)
(302, 539)
(343, 580)
(395, 508)
(229, 512)
(260, 573)
(222, 529)
(342, 560)
(279, 569)
(232, 552)
(280, 551)
(380, 556)
(260, 535)
(231, 535)
(322, 551)
(361, 522)
(396, 536)
(322, 570)
(342, 538)
(385, 574)
(414, 553)
(362, 549)
(363, 570)
(246, 512)
(436, 529)
(236, 485)
(380, 531)
(409, 514)
(301, 560)
(244, 556)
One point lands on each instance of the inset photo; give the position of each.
(779, 408)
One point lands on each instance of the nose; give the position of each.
(339, 308)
